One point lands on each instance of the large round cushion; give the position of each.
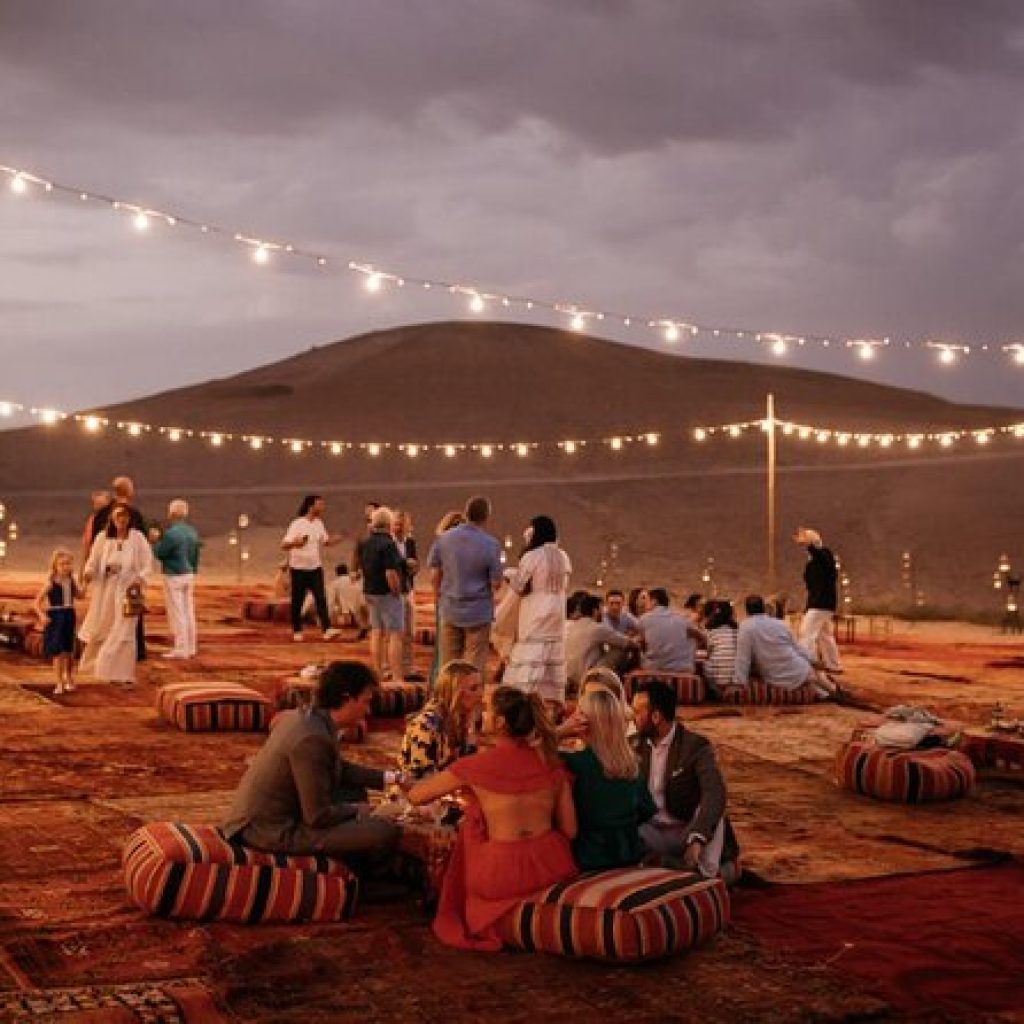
(214, 707)
(627, 914)
(758, 692)
(396, 700)
(192, 872)
(689, 688)
(904, 776)
(271, 611)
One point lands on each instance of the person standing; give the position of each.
(100, 500)
(119, 562)
(55, 609)
(381, 567)
(821, 577)
(406, 544)
(304, 540)
(536, 663)
(177, 551)
(465, 568)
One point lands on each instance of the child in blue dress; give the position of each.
(55, 607)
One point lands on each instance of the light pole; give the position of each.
(708, 576)
(1006, 578)
(243, 550)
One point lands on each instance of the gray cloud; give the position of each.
(850, 167)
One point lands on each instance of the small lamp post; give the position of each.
(708, 576)
(1006, 578)
(243, 551)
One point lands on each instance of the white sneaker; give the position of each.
(332, 633)
(297, 638)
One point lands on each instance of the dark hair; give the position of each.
(693, 602)
(719, 613)
(526, 718)
(659, 595)
(478, 510)
(662, 697)
(544, 532)
(111, 530)
(615, 592)
(754, 604)
(308, 502)
(341, 569)
(342, 681)
(573, 603)
(588, 604)
(634, 598)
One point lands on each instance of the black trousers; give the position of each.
(305, 581)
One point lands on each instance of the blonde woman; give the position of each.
(441, 732)
(612, 800)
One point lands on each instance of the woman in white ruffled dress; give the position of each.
(536, 663)
(120, 558)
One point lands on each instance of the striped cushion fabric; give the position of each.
(759, 692)
(396, 700)
(625, 914)
(905, 776)
(192, 872)
(690, 688)
(271, 611)
(213, 707)
(995, 752)
(426, 635)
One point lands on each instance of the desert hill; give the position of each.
(656, 513)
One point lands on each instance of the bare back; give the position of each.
(513, 816)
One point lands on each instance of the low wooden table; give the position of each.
(999, 754)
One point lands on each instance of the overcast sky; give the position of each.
(826, 166)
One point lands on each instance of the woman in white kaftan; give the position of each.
(536, 663)
(120, 557)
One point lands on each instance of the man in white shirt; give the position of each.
(304, 540)
(686, 785)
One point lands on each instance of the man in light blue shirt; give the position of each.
(177, 551)
(669, 641)
(465, 571)
(766, 644)
(617, 616)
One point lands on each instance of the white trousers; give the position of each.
(818, 639)
(179, 593)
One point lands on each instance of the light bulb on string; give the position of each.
(616, 444)
(92, 424)
(569, 447)
(336, 448)
(174, 434)
(778, 347)
(412, 450)
(449, 450)
(296, 447)
(476, 303)
(261, 254)
(522, 450)
(867, 353)
(140, 221)
(19, 186)
(947, 356)
(700, 434)
(255, 443)
(671, 333)
(373, 282)
(578, 322)
(651, 439)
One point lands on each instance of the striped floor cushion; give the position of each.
(426, 635)
(689, 687)
(213, 707)
(624, 915)
(904, 776)
(995, 752)
(396, 700)
(192, 872)
(759, 692)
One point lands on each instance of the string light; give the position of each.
(93, 423)
(669, 329)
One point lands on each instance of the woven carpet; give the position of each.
(945, 940)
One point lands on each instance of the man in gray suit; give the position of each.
(291, 799)
(682, 774)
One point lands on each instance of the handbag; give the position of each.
(133, 603)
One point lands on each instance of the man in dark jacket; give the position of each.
(682, 774)
(821, 576)
(290, 798)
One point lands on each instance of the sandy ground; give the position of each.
(81, 771)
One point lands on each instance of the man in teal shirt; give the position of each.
(177, 551)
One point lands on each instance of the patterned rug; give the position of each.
(182, 1001)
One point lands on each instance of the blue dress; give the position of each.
(59, 632)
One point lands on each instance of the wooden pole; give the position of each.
(770, 439)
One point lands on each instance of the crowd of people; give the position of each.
(536, 803)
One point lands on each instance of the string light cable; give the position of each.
(578, 317)
(95, 423)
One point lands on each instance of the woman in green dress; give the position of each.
(611, 799)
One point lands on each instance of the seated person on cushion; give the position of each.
(442, 731)
(287, 801)
(767, 645)
(686, 784)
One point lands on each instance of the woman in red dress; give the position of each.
(514, 838)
